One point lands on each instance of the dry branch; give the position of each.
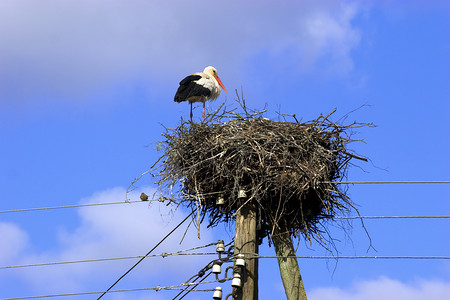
(288, 169)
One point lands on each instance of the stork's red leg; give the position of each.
(191, 112)
(203, 112)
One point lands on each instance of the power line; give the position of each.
(69, 206)
(193, 287)
(384, 182)
(161, 199)
(157, 288)
(102, 259)
(169, 254)
(394, 217)
(164, 254)
(121, 202)
(180, 253)
(182, 287)
(356, 257)
(176, 227)
(202, 272)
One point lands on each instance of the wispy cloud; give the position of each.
(73, 49)
(15, 240)
(387, 289)
(108, 231)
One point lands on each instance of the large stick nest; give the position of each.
(288, 169)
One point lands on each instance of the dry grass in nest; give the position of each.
(289, 169)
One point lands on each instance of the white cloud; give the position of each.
(116, 231)
(332, 36)
(386, 289)
(14, 242)
(73, 49)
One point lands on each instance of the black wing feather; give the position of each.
(189, 88)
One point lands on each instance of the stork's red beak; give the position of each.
(220, 83)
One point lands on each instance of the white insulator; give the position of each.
(240, 261)
(242, 194)
(217, 293)
(220, 201)
(220, 246)
(236, 282)
(217, 269)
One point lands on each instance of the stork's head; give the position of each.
(210, 70)
(213, 72)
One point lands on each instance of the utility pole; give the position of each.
(246, 242)
(289, 270)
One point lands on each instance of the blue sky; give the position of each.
(86, 85)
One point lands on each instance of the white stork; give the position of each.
(200, 87)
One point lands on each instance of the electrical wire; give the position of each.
(394, 217)
(202, 272)
(69, 206)
(194, 286)
(161, 199)
(157, 288)
(165, 254)
(102, 259)
(195, 277)
(181, 252)
(356, 257)
(383, 182)
(197, 283)
(176, 227)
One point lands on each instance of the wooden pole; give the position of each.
(289, 270)
(245, 241)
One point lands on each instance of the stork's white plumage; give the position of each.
(200, 87)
